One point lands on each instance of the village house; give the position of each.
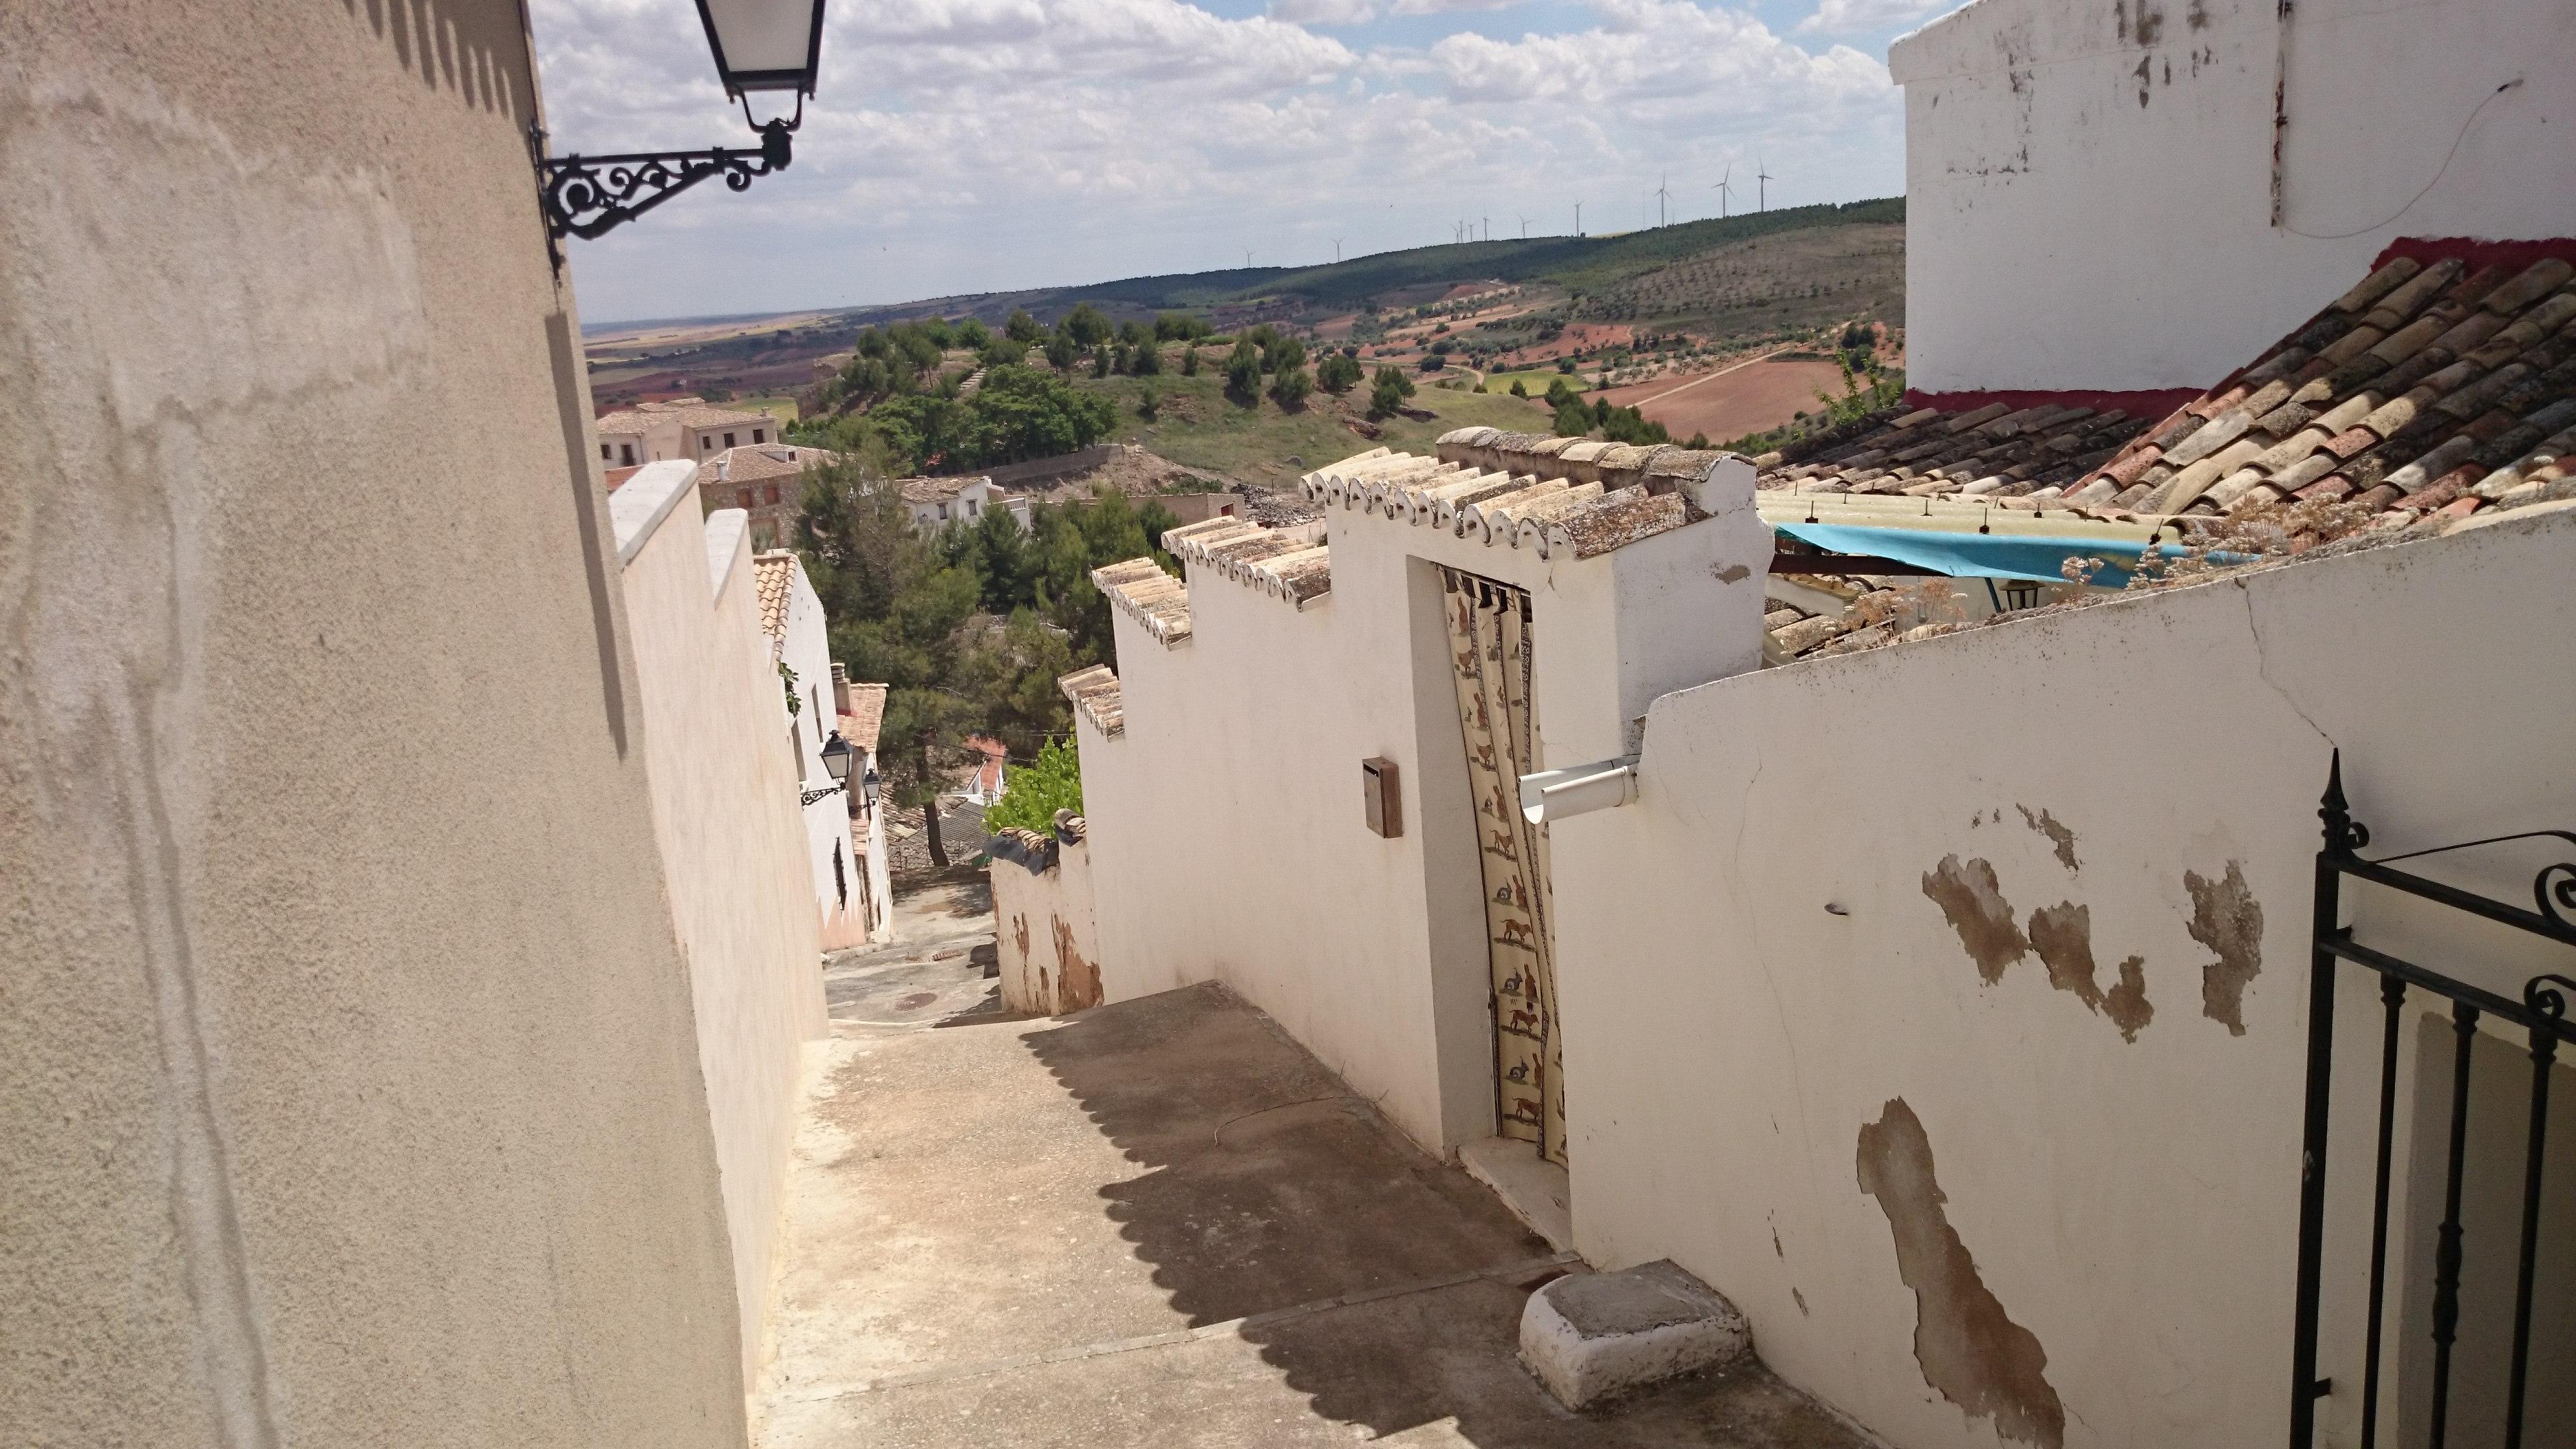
(861, 718)
(937, 502)
(687, 428)
(1852, 946)
(766, 482)
(818, 694)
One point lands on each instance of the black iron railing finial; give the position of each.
(2344, 835)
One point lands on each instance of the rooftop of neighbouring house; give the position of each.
(940, 490)
(688, 411)
(861, 723)
(986, 778)
(760, 462)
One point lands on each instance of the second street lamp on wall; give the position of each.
(759, 45)
(868, 788)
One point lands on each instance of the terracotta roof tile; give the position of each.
(1094, 692)
(772, 579)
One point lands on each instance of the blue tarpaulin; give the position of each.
(1977, 555)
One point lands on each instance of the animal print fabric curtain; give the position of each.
(1489, 649)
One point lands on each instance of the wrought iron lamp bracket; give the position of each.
(808, 797)
(587, 196)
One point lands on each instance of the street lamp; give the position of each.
(759, 45)
(837, 756)
(868, 788)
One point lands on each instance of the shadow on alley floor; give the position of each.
(1156, 1223)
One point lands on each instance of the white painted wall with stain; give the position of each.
(1046, 934)
(1756, 979)
(2089, 186)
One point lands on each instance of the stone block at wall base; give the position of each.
(1590, 1336)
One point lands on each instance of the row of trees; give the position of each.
(969, 627)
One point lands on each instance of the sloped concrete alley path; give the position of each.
(1154, 1223)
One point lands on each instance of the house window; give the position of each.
(603, 452)
(626, 454)
(943, 510)
(769, 493)
(705, 443)
(759, 436)
(970, 508)
(742, 498)
(728, 440)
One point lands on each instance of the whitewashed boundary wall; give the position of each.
(1227, 836)
(2089, 187)
(734, 849)
(1045, 934)
(2004, 935)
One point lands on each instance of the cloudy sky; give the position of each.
(980, 145)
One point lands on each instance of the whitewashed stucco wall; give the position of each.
(1752, 972)
(1226, 826)
(348, 1090)
(2088, 187)
(735, 854)
(807, 649)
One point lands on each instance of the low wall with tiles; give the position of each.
(1945, 1005)
(1045, 933)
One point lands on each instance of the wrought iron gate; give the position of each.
(2541, 1013)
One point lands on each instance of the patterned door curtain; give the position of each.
(1489, 646)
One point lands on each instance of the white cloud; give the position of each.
(1325, 12)
(1846, 17)
(1443, 7)
(974, 145)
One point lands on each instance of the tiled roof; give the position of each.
(866, 716)
(936, 490)
(754, 462)
(1995, 453)
(1281, 562)
(1141, 590)
(1516, 490)
(690, 412)
(986, 777)
(1094, 692)
(772, 578)
(2426, 391)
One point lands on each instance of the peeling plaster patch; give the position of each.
(2227, 919)
(1967, 1346)
(2063, 838)
(1732, 574)
(1079, 981)
(2062, 934)
(1974, 901)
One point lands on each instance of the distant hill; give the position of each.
(1733, 281)
(1578, 264)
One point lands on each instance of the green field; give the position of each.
(781, 408)
(1197, 426)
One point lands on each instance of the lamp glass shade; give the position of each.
(836, 757)
(764, 45)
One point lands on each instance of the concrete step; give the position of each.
(1590, 1336)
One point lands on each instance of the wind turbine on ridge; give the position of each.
(1724, 190)
(1763, 175)
(1663, 194)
